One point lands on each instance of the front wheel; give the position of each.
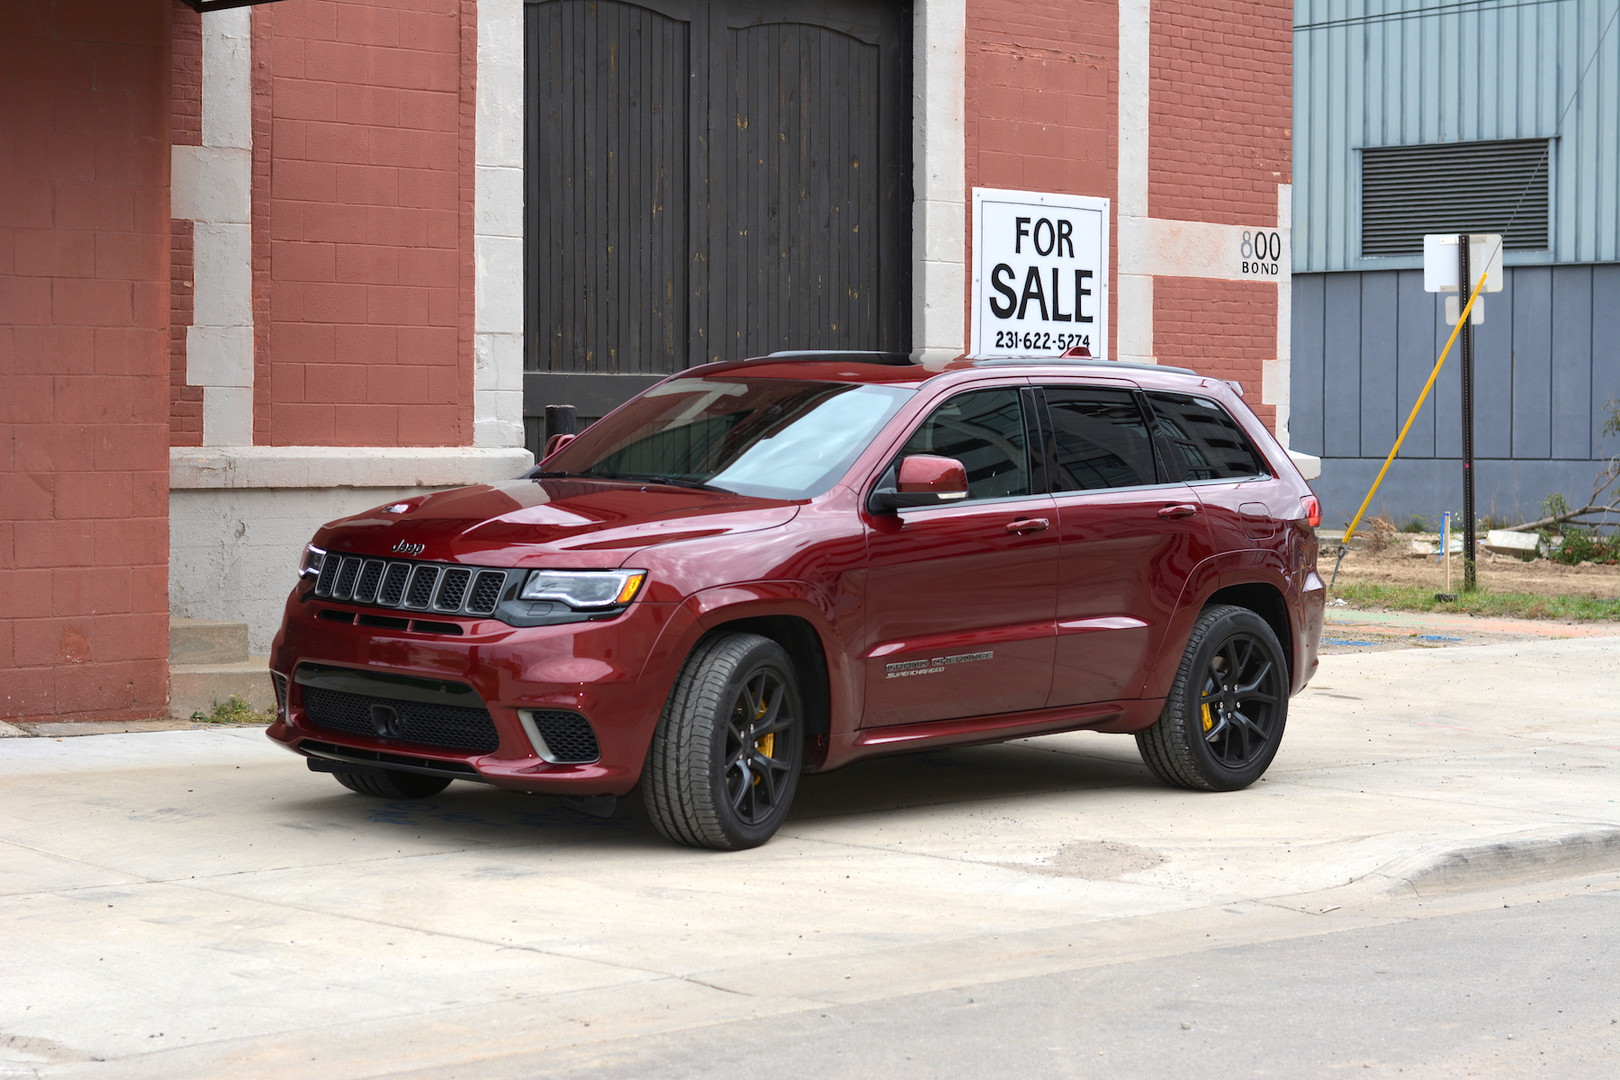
(724, 762)
(1224, 718)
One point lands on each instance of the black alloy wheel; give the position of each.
(724, 762)
(1239, 701)
(755, 778)
(1224, 717)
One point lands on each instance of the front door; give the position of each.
(959, 598)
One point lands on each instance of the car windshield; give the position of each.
(772, 438)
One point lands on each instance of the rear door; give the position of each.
(1130, 537)
(960, 597)
(1234, 485)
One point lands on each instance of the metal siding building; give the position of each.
(1419, 80)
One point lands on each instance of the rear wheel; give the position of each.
(724, 762)
(1224, 717)
(390, 784)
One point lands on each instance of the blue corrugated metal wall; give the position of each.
(1365, 334)
(1384, 73)
(1546, 362)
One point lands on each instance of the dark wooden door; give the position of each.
(711, 179)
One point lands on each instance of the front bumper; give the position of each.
(593, 670)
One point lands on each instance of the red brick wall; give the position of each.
(84, 359)
(1221, 108)
(185, 129)
(1223, 328)
(1042, 92)
(363, 197)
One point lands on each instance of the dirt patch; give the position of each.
(1397, 565)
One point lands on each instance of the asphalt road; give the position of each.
(1513, 983)
(195, 904)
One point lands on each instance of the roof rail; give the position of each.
(848, 356)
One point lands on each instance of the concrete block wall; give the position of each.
(84, 359)
(363, 192)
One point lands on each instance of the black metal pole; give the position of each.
(559, 420)
(1465, 289)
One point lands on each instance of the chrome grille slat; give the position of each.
(329, 569)
(365, 590)
(347, 573)
(452, 589)
(486, 591)
(393, 586)
(421, 590)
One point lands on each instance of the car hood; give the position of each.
(591, 523)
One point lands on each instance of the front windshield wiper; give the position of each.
(656, 478)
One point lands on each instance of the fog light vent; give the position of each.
(562, 738)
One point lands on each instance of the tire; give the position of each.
(389, 784)
(724, 762)
(1218, 733)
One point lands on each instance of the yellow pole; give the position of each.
(1351, 531)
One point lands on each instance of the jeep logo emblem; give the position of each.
(405, 547)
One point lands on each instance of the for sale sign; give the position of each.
(1040, 273)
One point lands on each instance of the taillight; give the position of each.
(1313, 509)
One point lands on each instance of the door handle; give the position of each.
(1178, 510)
(1028, 525)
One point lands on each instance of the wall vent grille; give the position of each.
(1487, 187)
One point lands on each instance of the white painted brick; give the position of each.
(219, 356)
(223, 255)
(227, 70)
(210, 184)
(498, 203)
(227, 416)
(499, 284)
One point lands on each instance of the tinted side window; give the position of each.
(984, 430)
(1203, 440)
(1099, 440)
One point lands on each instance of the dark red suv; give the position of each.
(759, 568)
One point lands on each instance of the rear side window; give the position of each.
(1202, 441)
(1099, 439)
(984, 430)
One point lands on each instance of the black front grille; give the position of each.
(451, 726)
(441, 588)
(569, 738)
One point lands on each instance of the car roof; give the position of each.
(903, 369)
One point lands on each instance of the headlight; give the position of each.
(314, 559)
(588, 590)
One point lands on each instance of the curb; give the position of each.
(1522, 859)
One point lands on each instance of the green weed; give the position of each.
(234, 711)
(1510, 605)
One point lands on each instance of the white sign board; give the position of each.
(1440, 262)
(1040, 273)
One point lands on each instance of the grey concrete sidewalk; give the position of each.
(194, 903)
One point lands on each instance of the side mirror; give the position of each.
(557, 442)
(921, 480)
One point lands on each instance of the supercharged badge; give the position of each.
(907, 668)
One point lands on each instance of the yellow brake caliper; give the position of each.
(765, 744)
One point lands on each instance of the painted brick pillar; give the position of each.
(84, 359)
